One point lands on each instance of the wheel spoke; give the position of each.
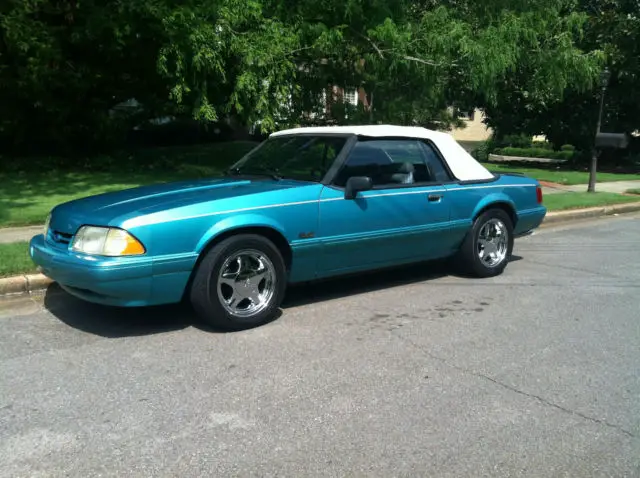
(258, 276)
(232, 300)
(230, 281)
(490, 247)
(241, 263)
(254, 296)
(229, 278)
(260, 266)
(229, 275)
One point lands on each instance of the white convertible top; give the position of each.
(462, 164)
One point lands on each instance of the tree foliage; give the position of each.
(611, 29)
(65, 65)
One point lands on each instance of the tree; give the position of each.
(612, 34)
(64, 65)
(418, 58)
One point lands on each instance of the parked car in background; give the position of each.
(306, 204)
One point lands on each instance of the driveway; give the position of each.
(411, 373)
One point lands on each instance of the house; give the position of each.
(474, 129)
(473, 132)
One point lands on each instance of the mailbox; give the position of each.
(612, 140)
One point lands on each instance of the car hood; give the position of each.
(103, 209)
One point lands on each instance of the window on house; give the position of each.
(467, 115)
(351, 97)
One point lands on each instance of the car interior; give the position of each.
(380, 166)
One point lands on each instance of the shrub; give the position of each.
(567, 147)
(542, 145)
(566, 155)
(481, 153)
(537, 153)
(516, 141)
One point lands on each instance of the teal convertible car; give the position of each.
(306, 204)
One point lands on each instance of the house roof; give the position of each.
(462, 164)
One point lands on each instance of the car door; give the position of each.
(404, 218)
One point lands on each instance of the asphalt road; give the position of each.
(411, 373)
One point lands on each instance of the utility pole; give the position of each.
(604, 82)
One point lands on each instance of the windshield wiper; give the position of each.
(261, 171)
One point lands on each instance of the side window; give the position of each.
(386, 162)
(436, 169)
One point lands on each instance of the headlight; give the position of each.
(106, 241)
(46, 225)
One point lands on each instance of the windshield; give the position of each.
(305, 158)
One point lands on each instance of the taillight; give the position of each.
(539, 194)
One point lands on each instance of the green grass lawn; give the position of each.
(14, 259)
(26, 197)
(563, 201)
(558, 175)
(633, 191)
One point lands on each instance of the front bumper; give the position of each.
(123, 281)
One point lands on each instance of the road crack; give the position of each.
(511, 388)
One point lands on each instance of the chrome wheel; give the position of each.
(246, 283)
(493, 242)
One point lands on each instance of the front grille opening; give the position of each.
(60, 237)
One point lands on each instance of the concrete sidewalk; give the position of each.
(557, 188)
(15, 234)
(617, 187)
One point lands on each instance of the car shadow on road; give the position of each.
(355, 284)
(117, 322)
(372, 281)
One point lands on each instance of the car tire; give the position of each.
(487, 258)
(235, 294)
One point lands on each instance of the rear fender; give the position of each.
(494, 199)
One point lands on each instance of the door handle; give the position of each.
(434, 197)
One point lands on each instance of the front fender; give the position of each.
(238, 221)
(490, 199)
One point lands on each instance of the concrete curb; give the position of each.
(576, 214)
(33, 282)
(24, 283)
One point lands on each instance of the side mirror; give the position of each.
(357, 184)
